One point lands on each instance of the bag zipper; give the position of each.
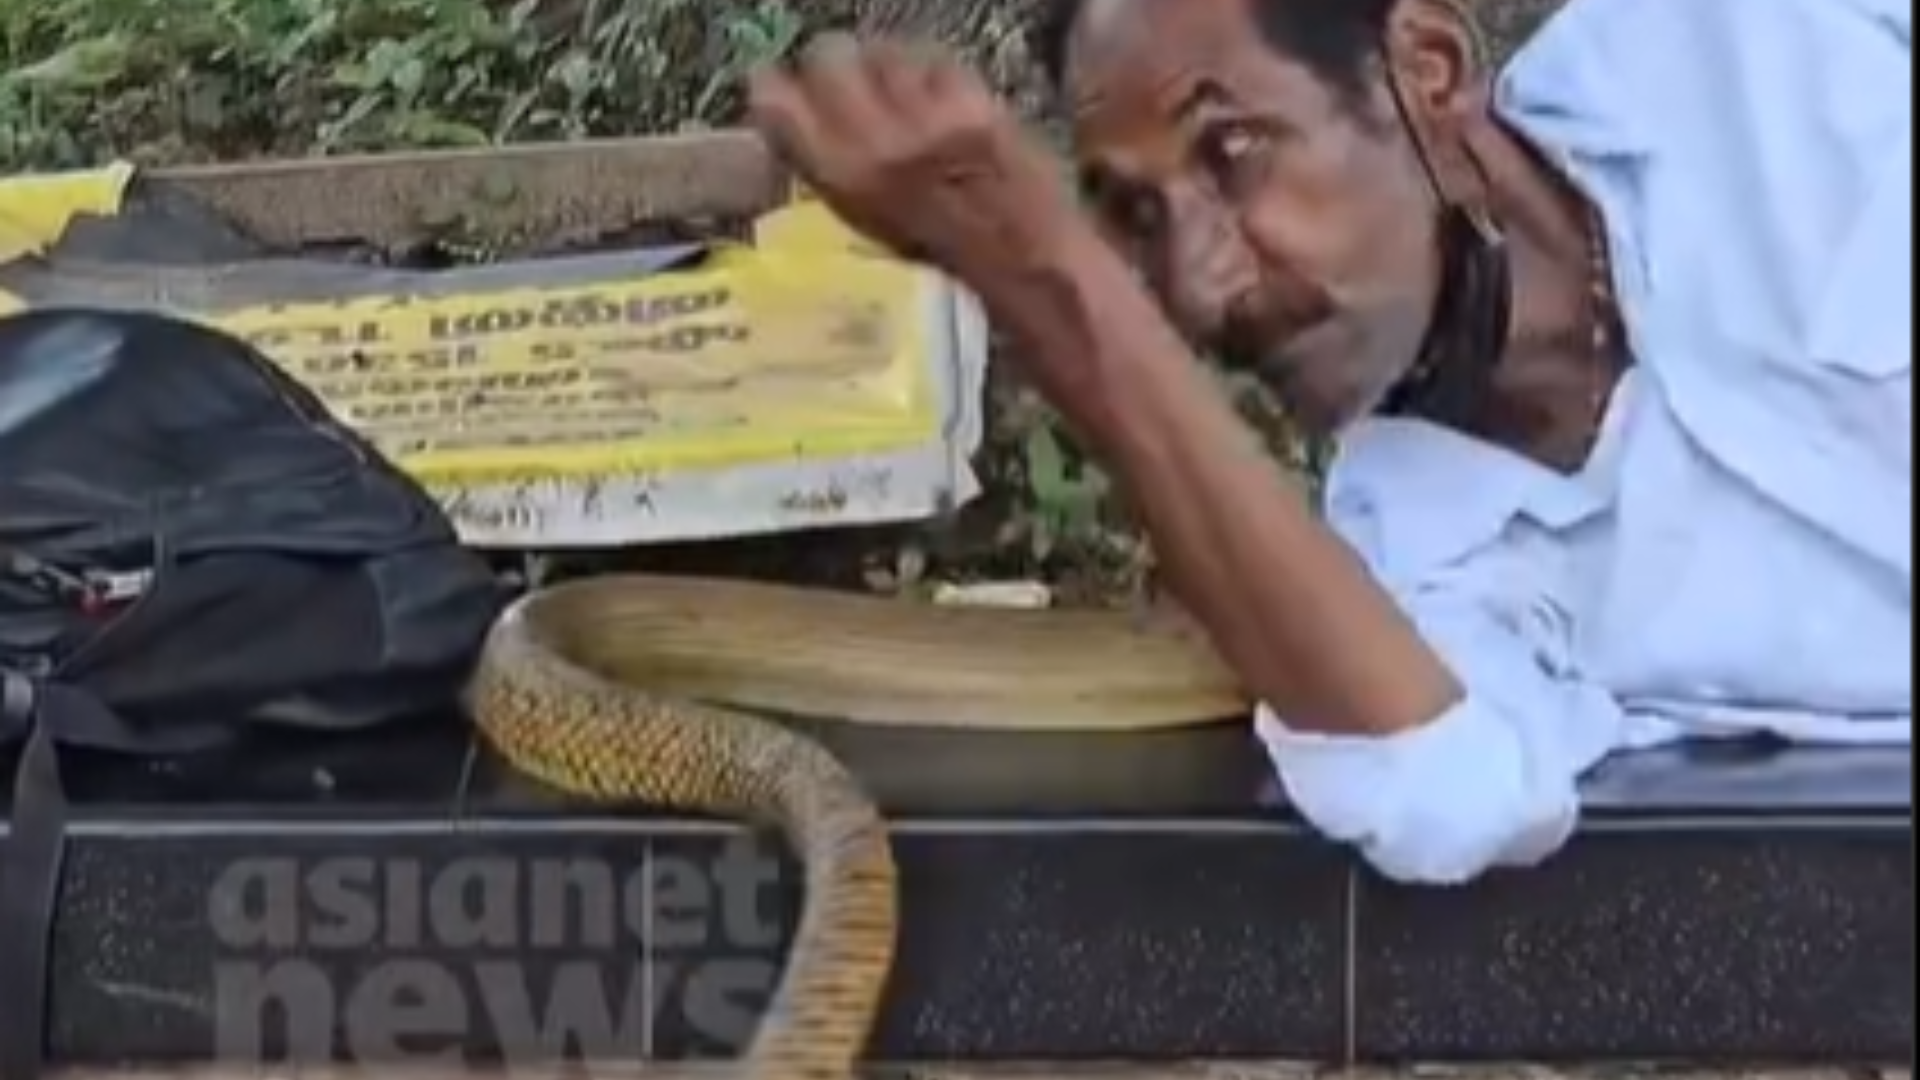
(92, 589)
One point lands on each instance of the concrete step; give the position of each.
(1064, 898)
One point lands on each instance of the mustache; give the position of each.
(1235, 353)
(1242, 341)
(1257, 329)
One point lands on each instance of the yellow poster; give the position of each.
(540, 398)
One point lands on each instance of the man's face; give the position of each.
(1284, 223)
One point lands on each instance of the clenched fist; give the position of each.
(913, 149)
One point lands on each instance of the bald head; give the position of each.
(1098, 17)
(1336, 39)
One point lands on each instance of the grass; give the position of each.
(224, 79)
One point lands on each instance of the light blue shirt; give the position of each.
(1735, 558)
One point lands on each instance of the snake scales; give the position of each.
(617, 688)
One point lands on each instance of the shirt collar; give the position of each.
(1413, 495)
(1560, 90)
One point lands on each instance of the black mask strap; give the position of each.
(1472, 312)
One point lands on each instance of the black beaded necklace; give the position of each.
(1452, 373)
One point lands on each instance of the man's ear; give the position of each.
(1438, 60)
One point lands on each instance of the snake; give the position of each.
(657, 690)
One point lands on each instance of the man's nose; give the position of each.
(1206, 263)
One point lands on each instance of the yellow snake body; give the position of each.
(615, 688)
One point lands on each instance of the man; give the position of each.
(1616, 349)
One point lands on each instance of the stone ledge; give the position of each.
(1688, 939)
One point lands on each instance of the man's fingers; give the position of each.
(946, 79)
(838, 84)
(778, 108)
(905, 77)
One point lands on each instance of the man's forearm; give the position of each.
(1284, 601)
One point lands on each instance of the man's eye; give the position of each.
(1230, 148)
(1136, 215)
(1235, 142)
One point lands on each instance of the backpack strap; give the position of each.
(31, 863)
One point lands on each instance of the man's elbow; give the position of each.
(1439, 805)
(1438, 846)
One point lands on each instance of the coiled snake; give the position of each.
(613, 688)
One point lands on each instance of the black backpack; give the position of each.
(190, 545)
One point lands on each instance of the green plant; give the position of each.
(1068, 494)
(158, 80)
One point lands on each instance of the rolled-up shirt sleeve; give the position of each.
(1492, 781)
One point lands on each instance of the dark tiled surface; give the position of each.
(1065, 941)
(311, 944)
(1022, 944)
(1027, 944)
(724, 909)
(1088, 943)
(1076, 897)
(1791, 944)
(1120, 945)
(184, 947)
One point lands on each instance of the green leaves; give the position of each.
(80, 68)
(246, 78)
(1068, 496)
(767, 31)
